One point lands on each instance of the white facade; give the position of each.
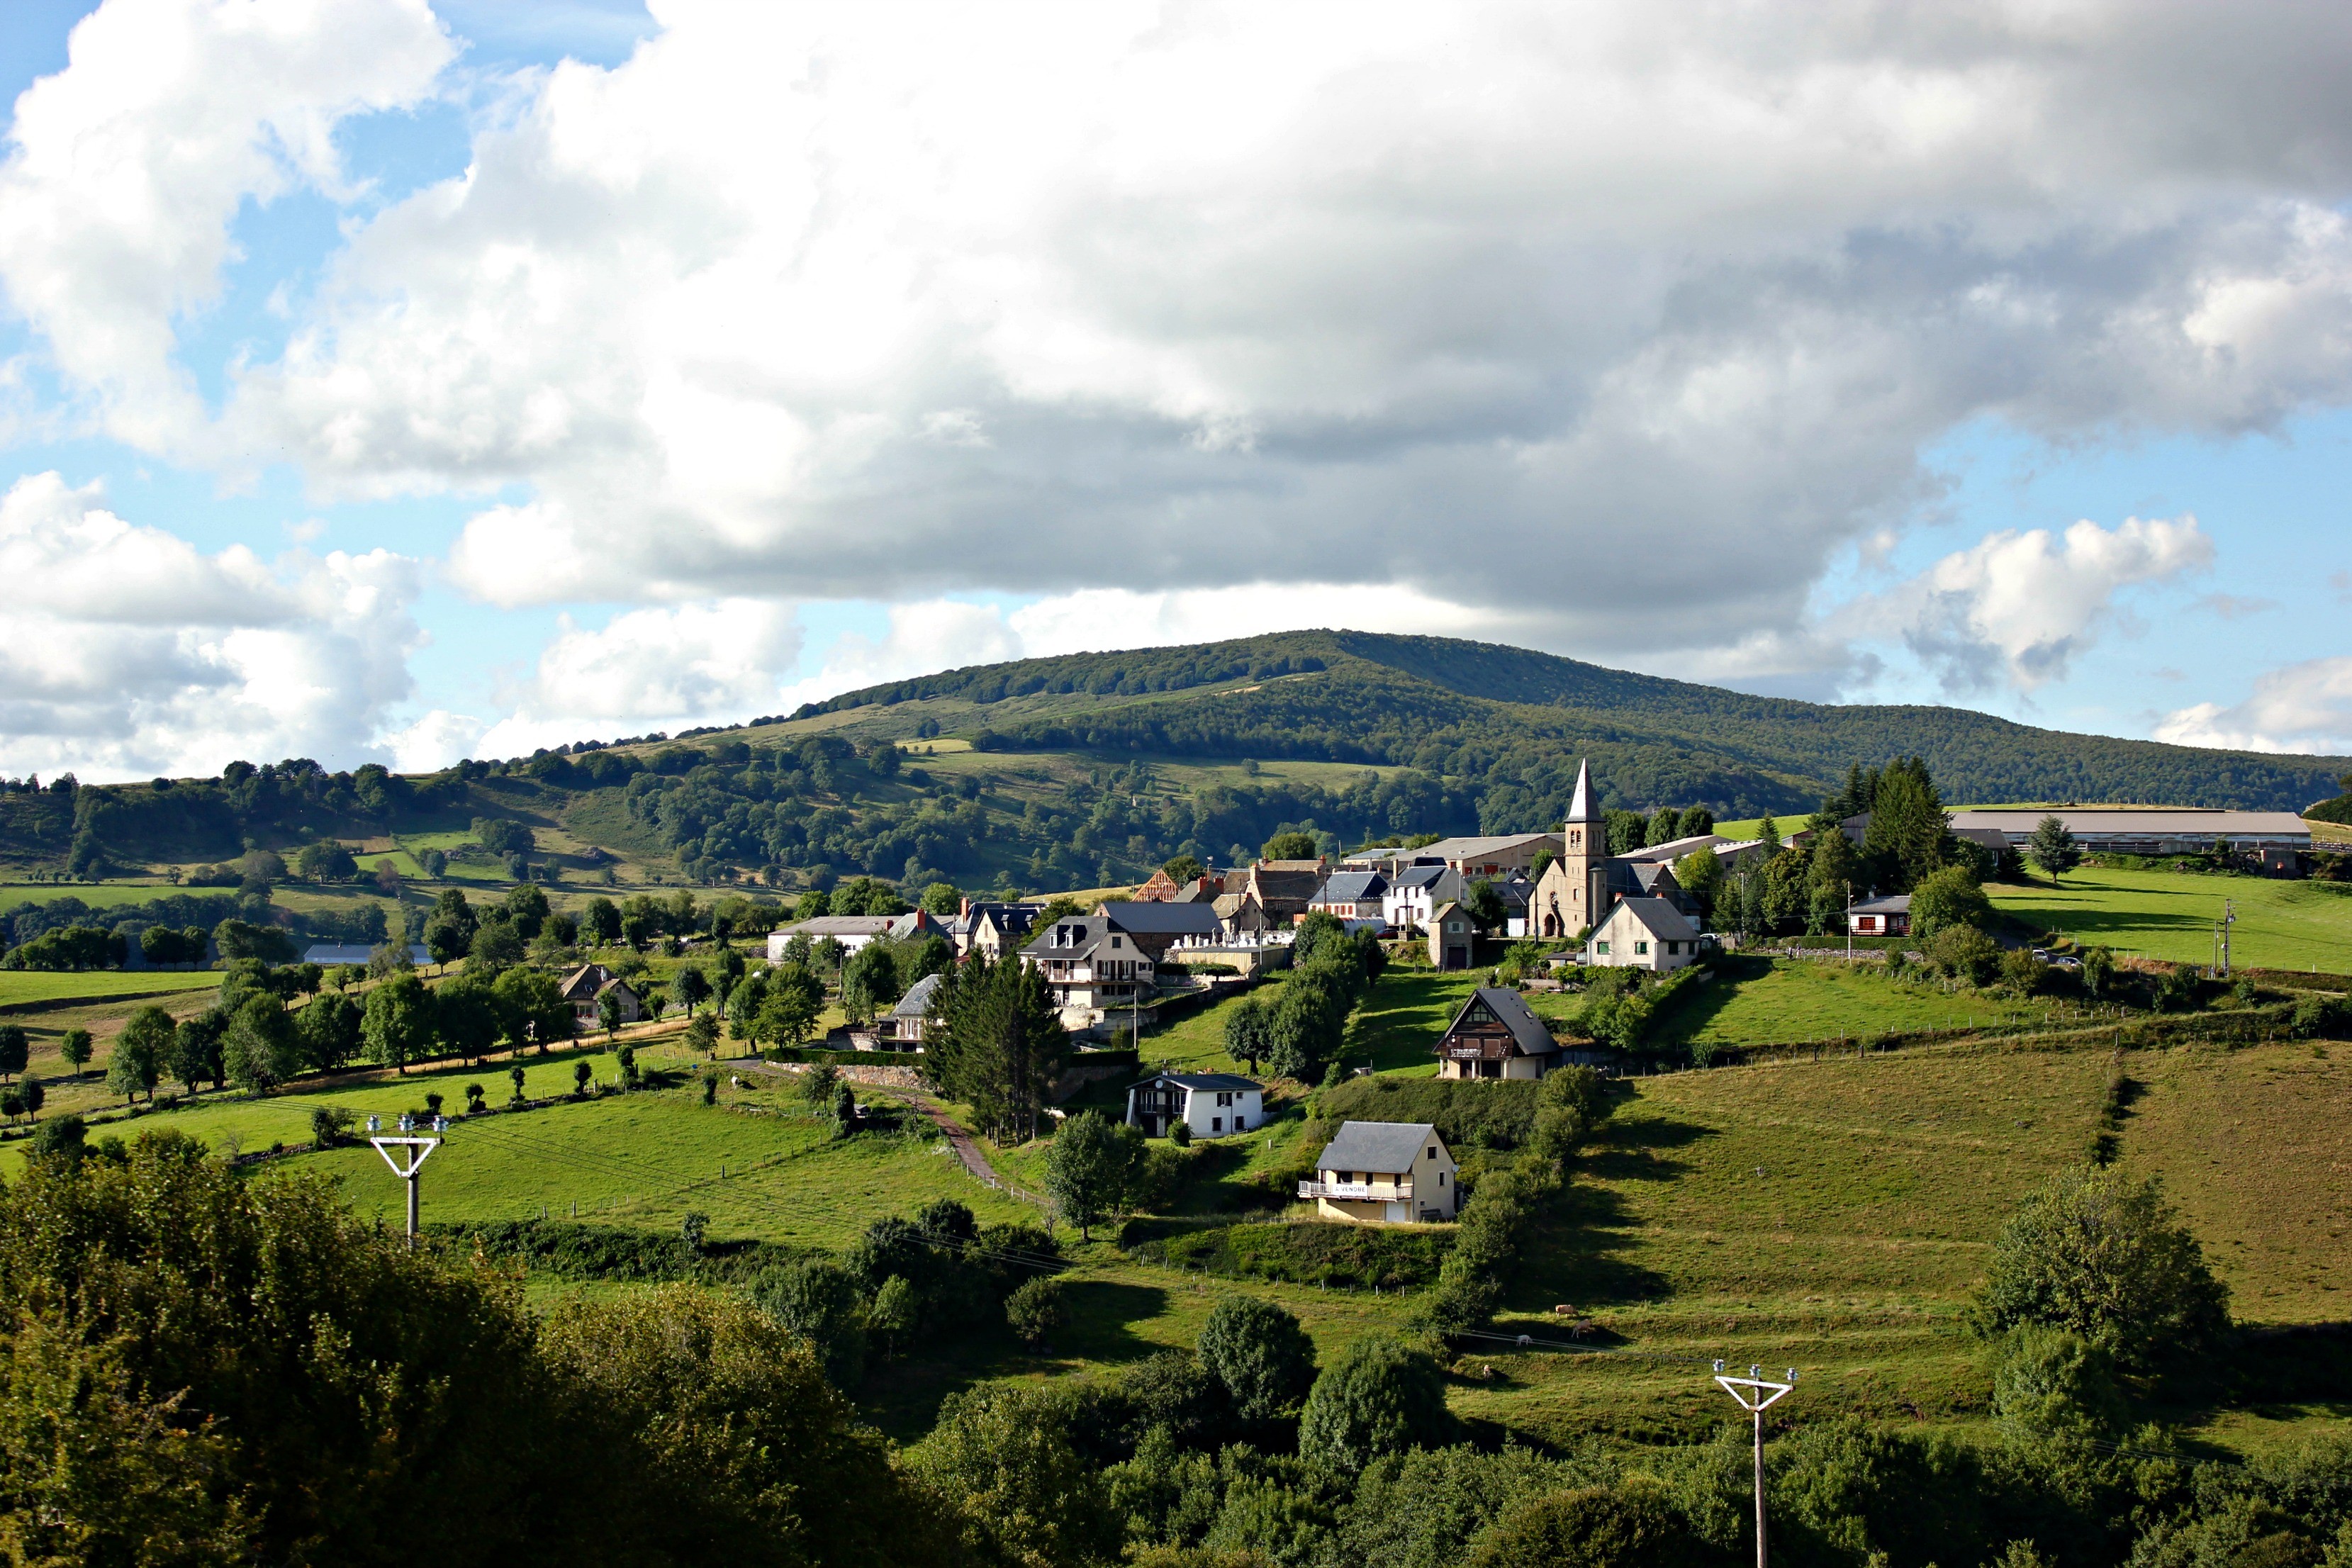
(1644, 934)
(1212, 1105)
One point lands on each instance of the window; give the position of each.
(1441, 1178)
(1433, 1153)
(1601, 948)
(1114, 941)
(1216, 1124)
(1640, 947)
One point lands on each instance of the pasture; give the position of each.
(25, 989)
(2171, 915)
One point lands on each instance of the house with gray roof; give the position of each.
(1644, 934)
(1496, 1035)
(1212, 1104)
(1091, 965)
(1155, 926)
(1358, 898)
(902, 1028)
(1385, 1173)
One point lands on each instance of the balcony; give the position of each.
(1358, 1191)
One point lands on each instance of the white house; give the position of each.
(1416, 892)
(1091, 966)
(1385, 1173)
(1644, 934)
(1212, 1104)
(854, 932)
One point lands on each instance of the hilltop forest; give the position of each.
(1090, 768)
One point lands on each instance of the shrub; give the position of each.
(1949, 898)
(1035, 1310)
(816, 1299)
(1634, 1524)
(2051, 1381)
(1383, 1398)
(2103, 1258)
(1492, 1113)
(1964, 953)
(2024, 973)
(1257, 1350)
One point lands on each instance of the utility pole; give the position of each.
(415, 1152)
(1849, 920)
(1754, 1392)
(2228, 918)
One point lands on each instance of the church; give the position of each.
(1577, 892)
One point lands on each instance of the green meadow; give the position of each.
(2171, 915)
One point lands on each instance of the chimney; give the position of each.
(963, 907)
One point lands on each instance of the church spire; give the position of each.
(1579, 805)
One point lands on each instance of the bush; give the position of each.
(2050, 1381)
(1035, 1311)
(1383, 1397)
(2103, 1258)
(1946, 899)
(816, 1299)
(1260, 1355)
(1964, 953)
(1634, 1524)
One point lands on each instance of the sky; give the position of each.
(386, 381)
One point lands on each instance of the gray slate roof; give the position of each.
(1384, 1148)
(1212, 1081)
(1885, 904)
(1661, 919)
(1151, 918)
(1511, 1009)
(917, 999)
(1352, 888)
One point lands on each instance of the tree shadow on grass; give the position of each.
(1693, 1007)
(1580, 1252)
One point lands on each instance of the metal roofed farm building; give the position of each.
(1385, 1173)
(2278, 839)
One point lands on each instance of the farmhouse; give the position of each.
(1644, 934)
(1886, 916)
(1091, 965)
(1383, 1173)
(586, 988)
(1496, 1035)
(1212, 1104)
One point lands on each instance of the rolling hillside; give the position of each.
(1090, 768)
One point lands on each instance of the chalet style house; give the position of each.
(586, 988)
(1385, 1173)
(1496, 1035)
(1212, 1104)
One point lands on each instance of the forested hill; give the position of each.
(1461, 708)
(1091, 769)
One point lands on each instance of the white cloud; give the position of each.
(2303, 706)
(1617, 320)
(128, 167)
(434, 740)
(132, 653)
(650, 669)
(2017, 607)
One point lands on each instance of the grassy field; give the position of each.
(97, 895)
(21, 988)
(1767, 1000)
(2171, 915)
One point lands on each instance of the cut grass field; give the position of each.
(1768, 1001)
(23, 988)
(2171, 915)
